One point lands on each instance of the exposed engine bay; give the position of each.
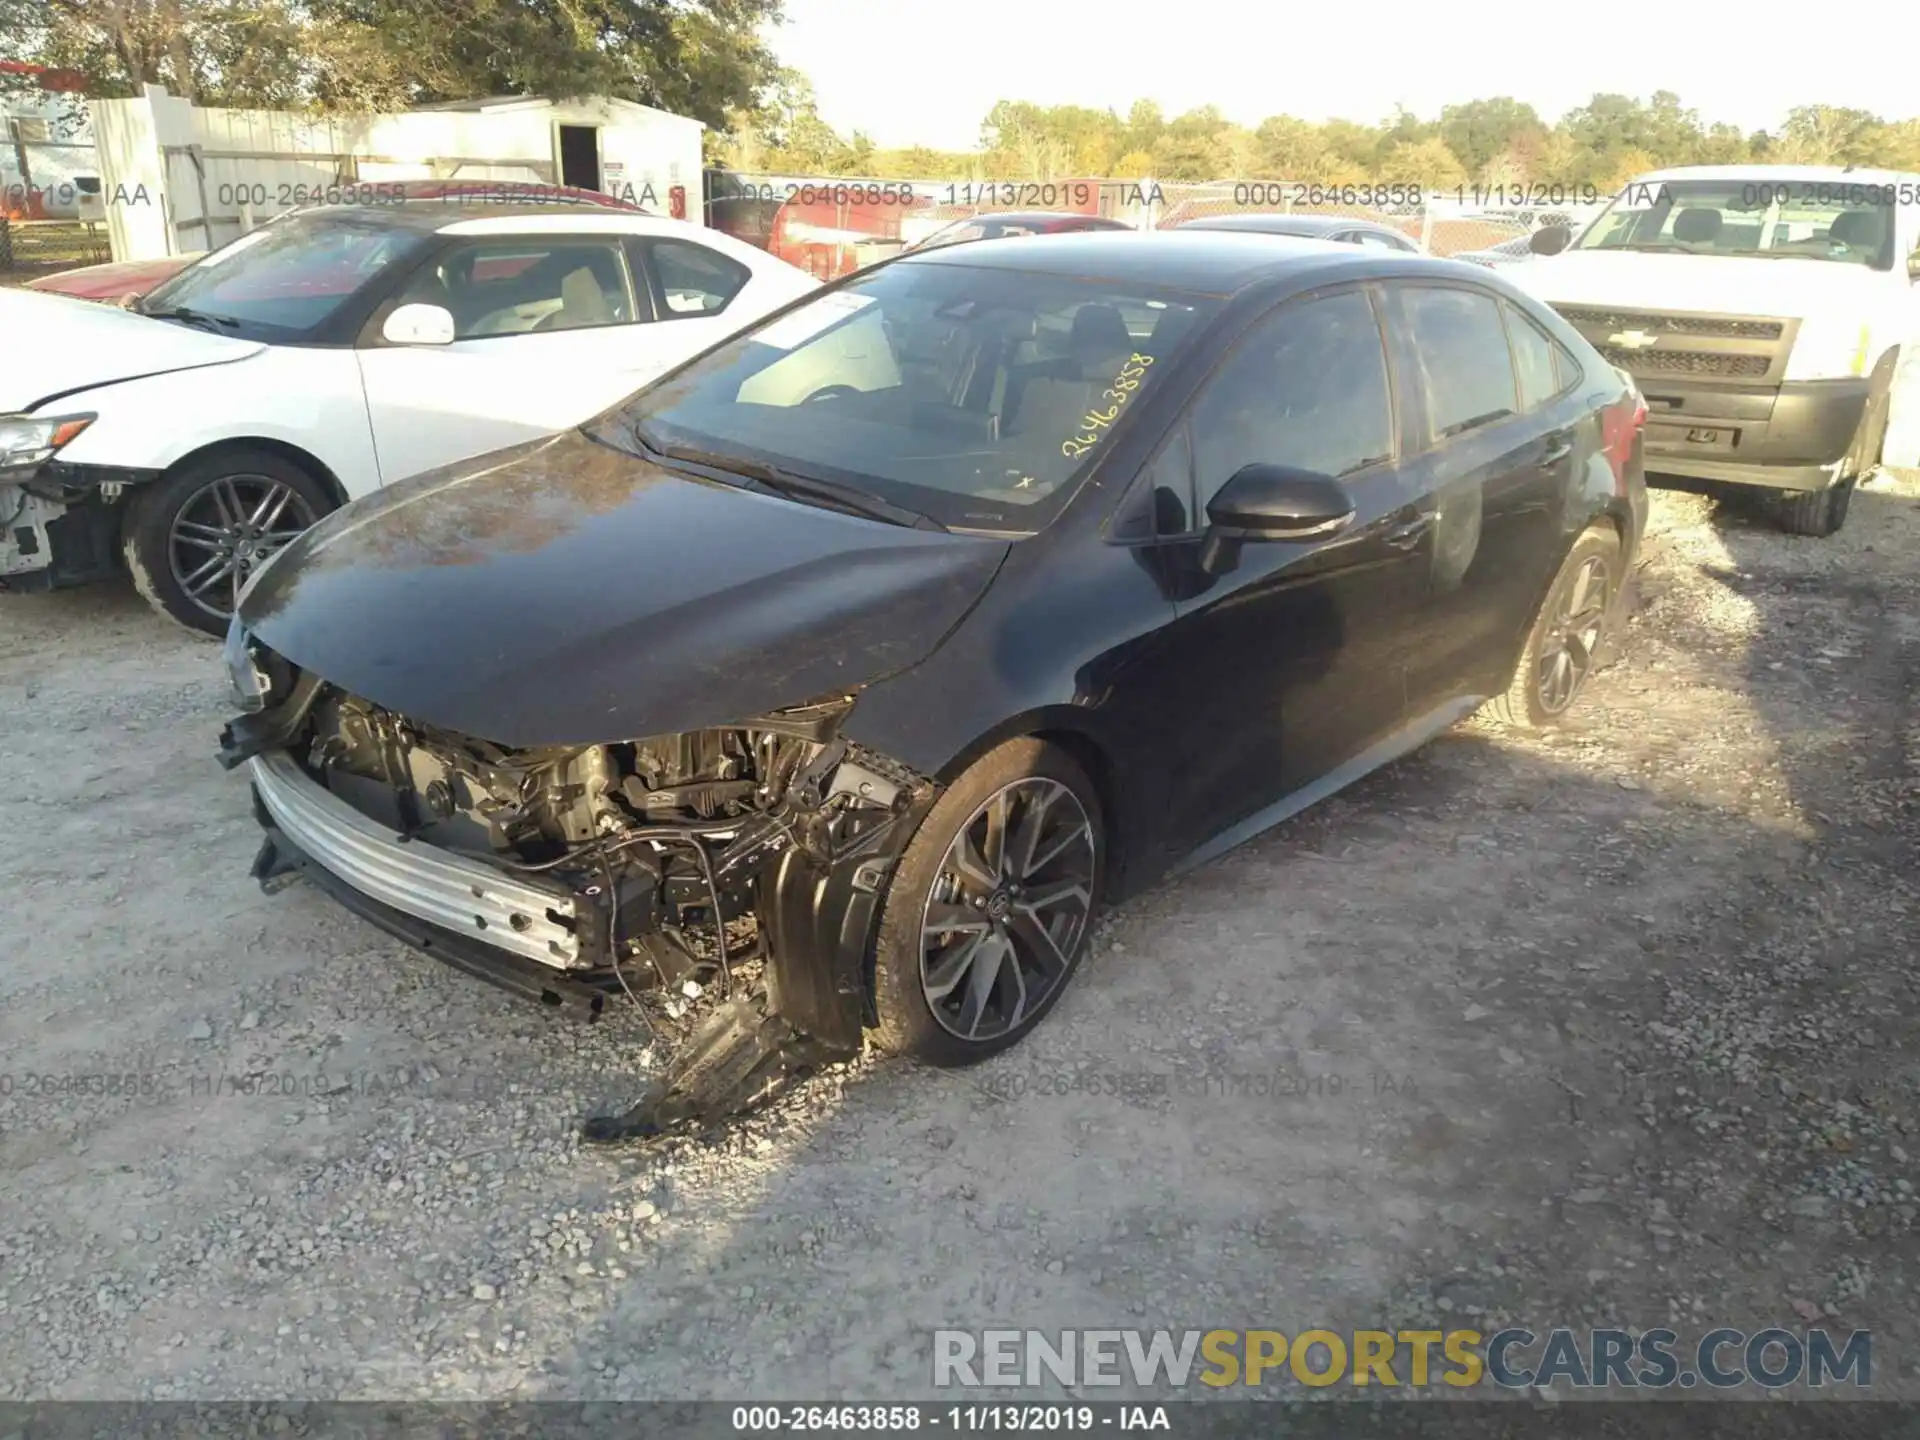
(740, 866)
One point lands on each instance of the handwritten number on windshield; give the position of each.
(1095, 421)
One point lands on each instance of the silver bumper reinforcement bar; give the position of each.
(525, 915)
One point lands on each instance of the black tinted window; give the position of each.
(1307, 388)
(1533, 360)
(1568, 369)
(1160, 504)
(1461, 348)
(694, 280)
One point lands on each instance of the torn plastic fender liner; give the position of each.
(818, 912)
(246, 736)
(819, 919)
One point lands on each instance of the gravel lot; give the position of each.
(1615, 1027)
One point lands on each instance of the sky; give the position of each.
(913, 72)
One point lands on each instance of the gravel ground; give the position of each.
(1613, 1027)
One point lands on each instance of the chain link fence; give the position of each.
(830, 225)
(32, 248)
(1441, 223)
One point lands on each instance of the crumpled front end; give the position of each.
(59, 523)
(729, 877)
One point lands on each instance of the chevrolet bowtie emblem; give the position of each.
(1633, 339)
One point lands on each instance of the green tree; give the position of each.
(1142, 129)
(1427, 162)
(1360, 146)
(239, 52)
(1194, 146)
(1480, 131)
(704, 58)
(1829, 135)
(1723, 144)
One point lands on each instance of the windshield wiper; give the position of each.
(794, 485)
(1669, 245)
(215, 323)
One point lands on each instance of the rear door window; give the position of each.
(1535, 363)
(1460, 348)
(691, 280)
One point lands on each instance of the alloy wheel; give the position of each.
(1008, 909)
(226, 530)
(1567, 647)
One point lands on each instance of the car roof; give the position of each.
(1815, 174)
(1036, 217)
(1268, 223)
(1216, 262)
(528, 220)
(465, 213)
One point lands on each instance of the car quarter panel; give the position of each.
(306, 397)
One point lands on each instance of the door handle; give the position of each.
(1408, 535)
(1558, 448)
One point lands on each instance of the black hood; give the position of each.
(565, 593)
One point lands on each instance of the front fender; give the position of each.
(306, 397)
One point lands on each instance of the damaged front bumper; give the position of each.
(811, 874)
(527, 916)
(60, 526)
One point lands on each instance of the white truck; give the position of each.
(1762, 310)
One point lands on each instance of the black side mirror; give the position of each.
(1550, 240)
(1271, 503)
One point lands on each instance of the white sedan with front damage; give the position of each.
(319, 358)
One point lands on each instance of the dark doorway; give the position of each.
(580, 156)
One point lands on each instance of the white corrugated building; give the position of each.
(178, 177)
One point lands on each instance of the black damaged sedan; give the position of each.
(848, 669)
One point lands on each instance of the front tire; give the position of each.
(1566, 636)
(1818, 513)
(988, 911)
(193, 537)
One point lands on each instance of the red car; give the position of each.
(122, 282)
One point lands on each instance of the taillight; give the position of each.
(1635, 400)
(1620, 425)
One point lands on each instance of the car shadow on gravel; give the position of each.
(1583, 1029)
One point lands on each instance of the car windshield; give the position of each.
(284, 280)
(975, 395)
(1850, 224)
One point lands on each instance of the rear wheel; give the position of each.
(194, 538)
(1566, 636)
(988, 911)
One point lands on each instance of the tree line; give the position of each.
(1498, 141)
(710, 59)
(703, 58)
